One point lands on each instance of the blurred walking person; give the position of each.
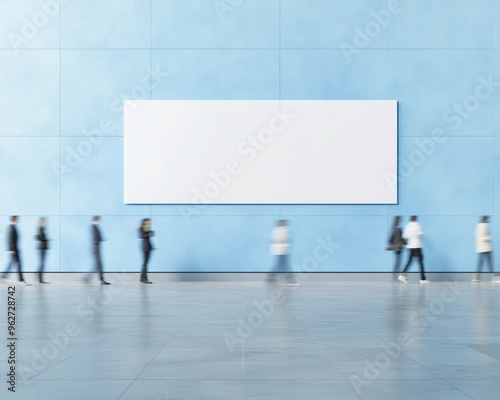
(97, 238)
(14, 251)
(413, 234)
(43, 246)
(281, 248)
(145, 233)
(396, 244)
(483, 248)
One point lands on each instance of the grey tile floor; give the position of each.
(253, 340)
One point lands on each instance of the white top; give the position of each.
(483, 238)
(281, 237)
(413, 234)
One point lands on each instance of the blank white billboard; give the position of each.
(260, 152)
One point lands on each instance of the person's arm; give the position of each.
(97, 235)
(12, 240)
(42, 237)
(401, 239)
(487, 236)
(392, 237)
(274, 236)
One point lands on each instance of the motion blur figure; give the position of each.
(483, 248)
(280, 248)
(413, 234)
(43, 246)
(145, 233)
(96, 238)
(14, 251)
(396, 244)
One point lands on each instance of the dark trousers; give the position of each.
(281, 266)
(98, 262)
(15, 259)
(43, 253)
(487, 258)
(397, 263)
(144, 271)
(417, 253)
(281, 263)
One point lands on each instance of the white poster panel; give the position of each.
(260, 152)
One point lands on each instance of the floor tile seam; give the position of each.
(160, 350)
(423, 366)
(64, 359)
(126, 389)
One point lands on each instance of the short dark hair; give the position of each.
(413, 218)
(14, 218)
(96, 218)
(485, 218)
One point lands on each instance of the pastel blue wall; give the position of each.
(67, 74)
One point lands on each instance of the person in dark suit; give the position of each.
(13, 249)
(396, 244)
(43, 246)
(145, 233)
(96, 247)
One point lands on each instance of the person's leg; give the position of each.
(487, 257)
(482, 259)
(397, 263)
(42, 265)
(9, 267)
(19, 266)
(144, 273)
(274, 270)
(143, 268)
(98, 264)
(285, 268)
(410, 258)
(279, 265)
(420, 257)
(479, 267)
(89, 275)
(489, 260)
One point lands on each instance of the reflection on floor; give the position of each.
(255, 340)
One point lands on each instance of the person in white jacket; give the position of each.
(280, 248)
(483, 247)
(413, 234)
